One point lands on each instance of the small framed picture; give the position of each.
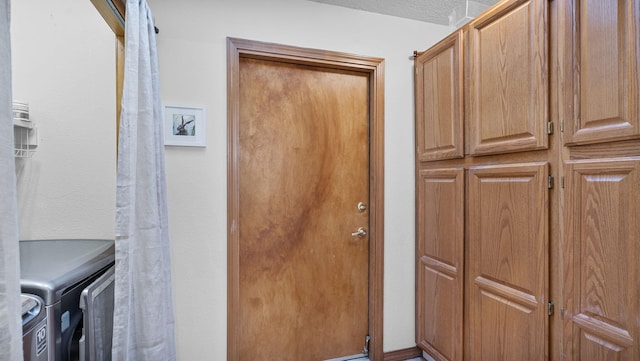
(185, 126)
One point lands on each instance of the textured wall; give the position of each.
(432, 11)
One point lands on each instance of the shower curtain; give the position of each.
(143, 314)
(10, 320)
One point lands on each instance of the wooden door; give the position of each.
(508, 83)
(304, 168)
(508, 253)
(601, 62)
(438, 100)
(603, 253)
(440, 250)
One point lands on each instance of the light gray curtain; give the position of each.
(143, 315)
(10, 319)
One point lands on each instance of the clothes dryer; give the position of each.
(34, 328)
(96, 302)
(57, 271)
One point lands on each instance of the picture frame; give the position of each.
(184, 125)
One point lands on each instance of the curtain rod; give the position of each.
(119, 8)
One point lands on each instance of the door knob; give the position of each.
(361, 232)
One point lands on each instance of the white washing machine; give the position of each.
(56, 272)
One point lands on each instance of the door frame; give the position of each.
(374, 67)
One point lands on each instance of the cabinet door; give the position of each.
(508, 275)
(438, 101)
(508, 84)
(440, 253)
(601, 63)
(603, 260)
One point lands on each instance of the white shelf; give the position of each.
(25, 138)
(23, 123)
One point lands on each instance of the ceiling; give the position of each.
(431, 11)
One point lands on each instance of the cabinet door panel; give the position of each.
(603, 295)
(603, 60)
(439, 100)
(440, 262)
(508, 92)
(508, 253)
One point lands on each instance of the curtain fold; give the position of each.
(143, 315)
(10, 307)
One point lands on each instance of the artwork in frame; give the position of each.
(185, 126)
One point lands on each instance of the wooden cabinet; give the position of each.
(440, 194)
(601, 63)
(440, 247)
(438, 86)
(528, 244)
(508, 261)
(602, 294)
(600, 53)
(508, 85)
(493, 306)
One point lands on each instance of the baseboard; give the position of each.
(402, 355)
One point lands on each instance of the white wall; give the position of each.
(192, 51)
(63, 65)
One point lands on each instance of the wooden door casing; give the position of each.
(439, 101)
(440, 250)
(603, 292)
(373, 70)
(508, 78)
(508, 270)
(602, 52)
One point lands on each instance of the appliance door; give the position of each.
(96, 302)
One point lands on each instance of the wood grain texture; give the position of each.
(508, 270)
(602, 230)
(439, 102)
(440, 257)
(304, 168)
(603, 56)
(628, 148)
(593, 54)
(373, 70)
(555, 153)
(403, 355)
(508, 83)
(109, 17)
